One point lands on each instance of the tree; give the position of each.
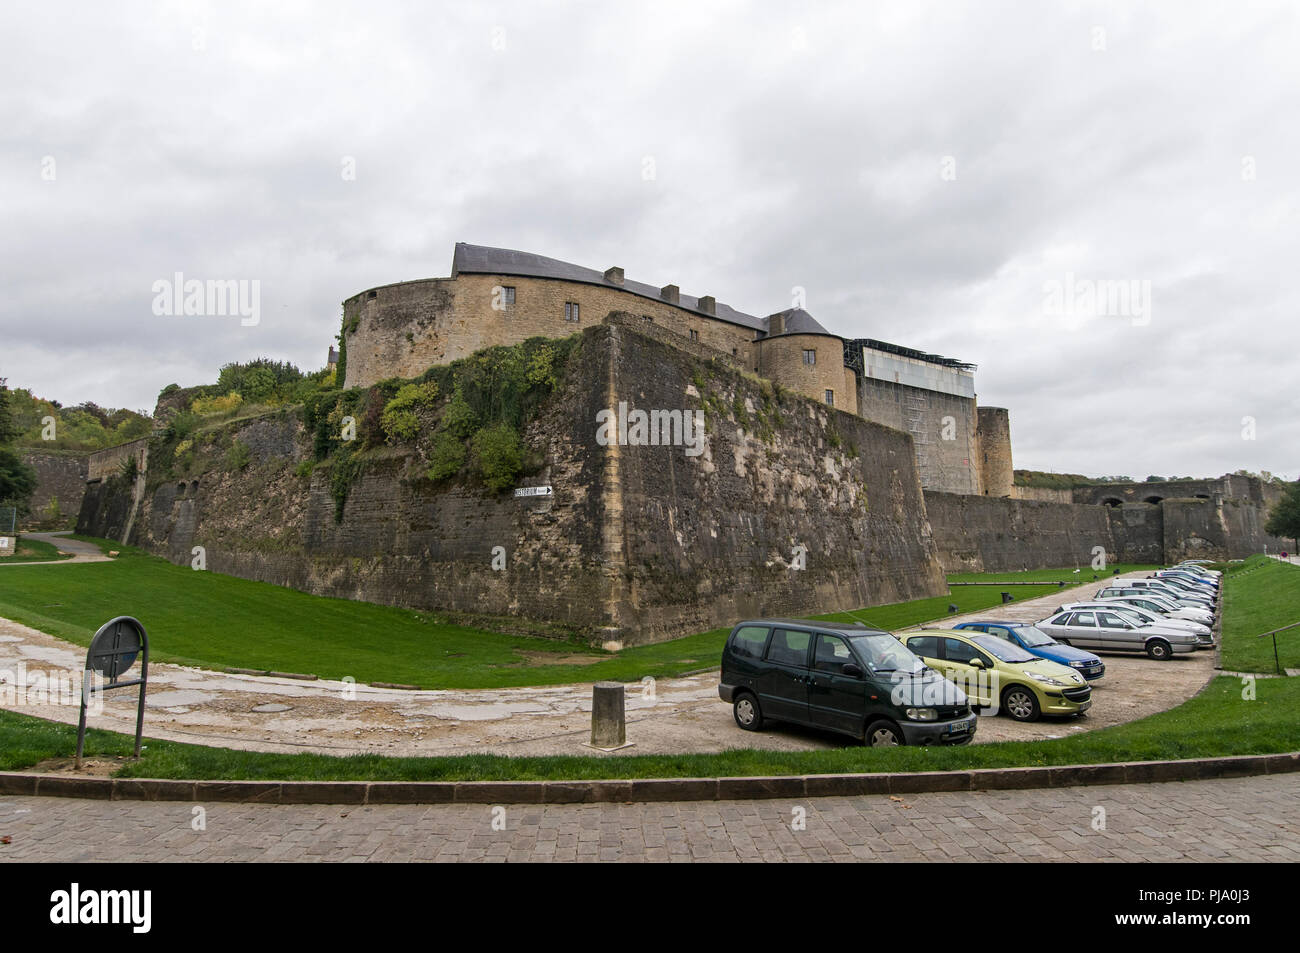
(1284, 518)
(17, 479)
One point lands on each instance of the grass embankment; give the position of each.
(1067, 576)
(215, 621)
(1217, 722)
(34, 551)
(1259, 595)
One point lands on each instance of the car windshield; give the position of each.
(884, 653)
(1032, 637)
(1128, 615)
(1003, 650)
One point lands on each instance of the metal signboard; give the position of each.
(113, 651)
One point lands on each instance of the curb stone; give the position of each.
(14, 783)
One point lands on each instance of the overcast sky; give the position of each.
(950, 177)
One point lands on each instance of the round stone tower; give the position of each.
(993, 432)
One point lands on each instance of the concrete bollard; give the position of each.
(608, 719)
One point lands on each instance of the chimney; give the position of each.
(708, 305)
(776, 323)
(671, 293)
(615, 275)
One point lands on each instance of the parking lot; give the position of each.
(682, 715)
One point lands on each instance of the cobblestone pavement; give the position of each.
(1246, 819)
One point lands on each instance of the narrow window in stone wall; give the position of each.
(507, 296)
(646, 317)
(830, 397)
(570, 311)
(695, 335)
(809, 356)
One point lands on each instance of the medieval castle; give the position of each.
(500, 296)
(861, 479)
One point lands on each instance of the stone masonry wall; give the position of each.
(60, 476)
(637, 543)
(406, 328)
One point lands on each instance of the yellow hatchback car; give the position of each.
(997, 674)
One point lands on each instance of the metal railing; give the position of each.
(1277, 664)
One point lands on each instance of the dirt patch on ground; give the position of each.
(90, 767)
(532, 659)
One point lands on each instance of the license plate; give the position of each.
(1084, 706)
(957, 727)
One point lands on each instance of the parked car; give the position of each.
(1188, 584)
(845, 678)
(1147, 599)
(1183, 575)
(1040, 644)
(994, 671)
(1164, 589)
(1136, 614)
(1104, 631)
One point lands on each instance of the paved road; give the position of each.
(1246, 819)
(82, 552)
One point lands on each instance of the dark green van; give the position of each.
(846, 678)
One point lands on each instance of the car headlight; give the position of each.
(922, 714)
(1048, 680)
(1078, 665)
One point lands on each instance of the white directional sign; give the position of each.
(533, 491)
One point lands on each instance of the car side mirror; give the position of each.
(977, 663)
(851, 670)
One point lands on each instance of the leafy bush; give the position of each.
(208, 406)
(238, 456)
(499, 456)
(447, 456)
(399, 421)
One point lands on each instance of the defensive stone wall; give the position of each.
(103, 464)
(789, 507)
(942, 426)
(401, 330)
(61, 477)
(997, 475)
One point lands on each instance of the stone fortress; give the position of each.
(878, 474)
(500, 296)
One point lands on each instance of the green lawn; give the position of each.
(1068, 576)
(1217, 722)
(1259, 595)
(33, 551)
(215, 621)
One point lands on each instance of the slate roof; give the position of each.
(485, 260)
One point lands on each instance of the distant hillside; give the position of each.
(49, 426)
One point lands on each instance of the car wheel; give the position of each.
(748, 715)
(884, 734)
(1159, 650)
(1020, 703)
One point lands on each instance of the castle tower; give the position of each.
(993, 432)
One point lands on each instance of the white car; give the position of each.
(1144, 617)
(1145, 599)
(1101, 630)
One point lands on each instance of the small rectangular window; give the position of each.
(830, 397)
(570, 311)
(809, 356)
(507, 295)
(646, 317)
(695, 335)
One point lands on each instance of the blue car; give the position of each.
(1040, 644)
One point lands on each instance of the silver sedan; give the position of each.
(1101, 631)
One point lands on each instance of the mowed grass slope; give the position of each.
(1260, 595)
(33, 550)
(215, 621)
(1068, 576)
